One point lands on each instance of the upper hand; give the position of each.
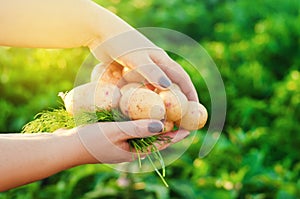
(133, 50)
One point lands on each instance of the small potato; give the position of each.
(142, 103)
(149, 86)
(195, 117)
(88, 97)
(132, 75)
(111, 73)
(168, 125)
(175, 102)
(133, 85)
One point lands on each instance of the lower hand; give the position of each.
(108, 142)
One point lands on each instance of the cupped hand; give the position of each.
(108, 142)
(133, 50)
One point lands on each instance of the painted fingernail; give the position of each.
(155, 127)
(164, 82)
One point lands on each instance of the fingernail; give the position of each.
(155, 127)
(164, 82)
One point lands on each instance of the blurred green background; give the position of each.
(255, 45)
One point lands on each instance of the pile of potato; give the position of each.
(113, 86)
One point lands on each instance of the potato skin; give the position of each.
(133, 85)
(102, 73)
(136, 85)
(168, 125)
(132, 75)
(195, 117)
(175, 102)
(88, 97)
(142, 103)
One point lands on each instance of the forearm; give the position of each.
(27, 158)
(56, 23)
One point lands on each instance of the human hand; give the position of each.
(108, 142)
(131, 49)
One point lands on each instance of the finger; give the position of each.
(179, 135)
(169, 138)
(140, 128)
(176, 73)
(183, 80)
(154, 75)
(107, 143)
(129, 129)
(147, 68)
(134, 129)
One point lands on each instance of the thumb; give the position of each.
(153, 73)
(140, 128)
(140, 62)
(107, 141)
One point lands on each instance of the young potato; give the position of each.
(175, 102)
(133, 85)
(132, 75)
(88, 97)
(195, 117)
(111, 73)
(168, 125)
(142, 103)
(150, 86)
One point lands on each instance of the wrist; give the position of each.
(105, 25)
(75, 151)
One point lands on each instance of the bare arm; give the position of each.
(75, 23)
(56, 23)
(25, 158)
